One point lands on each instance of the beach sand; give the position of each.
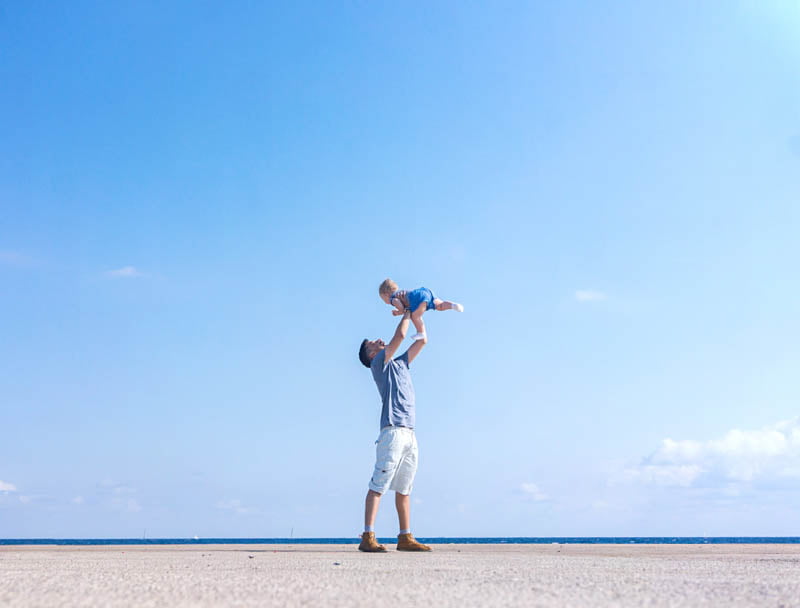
(452, 575)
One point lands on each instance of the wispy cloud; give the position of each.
(122, 490)
(532, 492)
(771, 454)
(662, 474)
(109, 486)
(40, 500)
(118, 496)
(7, 487)
(126, 272)
(235, 506)
(130, 505)
(589, 295)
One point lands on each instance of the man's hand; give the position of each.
(397, 313)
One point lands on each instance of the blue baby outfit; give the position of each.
(418, 296)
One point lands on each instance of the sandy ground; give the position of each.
(452, 575)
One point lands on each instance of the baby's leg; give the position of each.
(447, 305)
(419, 324)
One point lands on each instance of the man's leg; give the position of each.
(403, 504)
(406, 540)
(371, 509)
(404, 482)
(368, 542)
(385, 465)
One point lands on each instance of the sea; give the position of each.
(483, 540)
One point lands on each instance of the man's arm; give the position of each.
(397, 339)
(413, 351)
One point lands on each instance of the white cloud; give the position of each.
(117, 496)
(236, 507)
(109, 486)
(768, 454)
(126, 272)
(7, 487)
(532, 492)
(589, 295)
(663, 475)
(122, 490)
(78, 500)
(130, 505)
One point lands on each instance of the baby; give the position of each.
(417, 301)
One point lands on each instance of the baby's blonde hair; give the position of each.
(388, 287)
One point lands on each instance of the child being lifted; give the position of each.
(417, 301)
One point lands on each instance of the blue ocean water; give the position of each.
(519, 540)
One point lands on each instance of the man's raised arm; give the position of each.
(414, 349)
(397, 339)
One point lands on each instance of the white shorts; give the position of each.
(395, 460)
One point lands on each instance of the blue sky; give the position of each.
(199, 202)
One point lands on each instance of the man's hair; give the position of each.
(388, 287)
(362, 354)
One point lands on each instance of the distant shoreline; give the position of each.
(511, 540)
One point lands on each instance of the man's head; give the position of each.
(368, 350)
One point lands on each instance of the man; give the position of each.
(396, 452)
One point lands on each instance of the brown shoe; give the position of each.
(407, 542)
(369, 544)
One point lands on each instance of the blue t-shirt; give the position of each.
(396, 390)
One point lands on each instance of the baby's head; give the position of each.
(387, 288)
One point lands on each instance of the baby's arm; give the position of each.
(399, 308)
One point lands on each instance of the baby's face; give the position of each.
(385, 297)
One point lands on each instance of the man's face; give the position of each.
(374, 347)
